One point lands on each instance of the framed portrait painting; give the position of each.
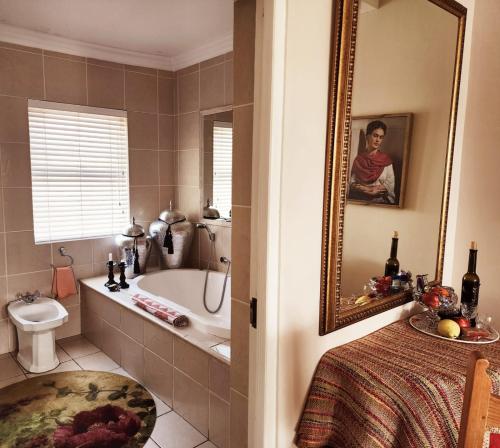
(378, 159)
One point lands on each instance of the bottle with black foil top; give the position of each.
(392, 263)
(470, 288)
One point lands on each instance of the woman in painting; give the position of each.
(372, 173)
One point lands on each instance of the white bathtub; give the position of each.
(183, 288)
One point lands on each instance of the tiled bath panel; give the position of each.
(180, 369)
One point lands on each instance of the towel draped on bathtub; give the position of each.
(163, 312)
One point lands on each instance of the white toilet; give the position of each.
(36, 323)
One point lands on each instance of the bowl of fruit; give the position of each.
(436, 299)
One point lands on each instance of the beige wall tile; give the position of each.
(143, 70)
(13, 119)
(143, 167)
(158, 376)
(218, 429)
(229, 55)
(188, 92)
(166, 74)
(81, 251)
(111, 341)
(92, 327)
(73, 326)
(24, 256)
(101, 247)
(18, 209)
(191, 69)
(244, 51)
(83, 270)
(102, 63)
(191, 361)
(20, 47)
(159, 341)
(21, 74)
(242, 155)
(212, 61)
(219, 378)
(239, 413)
(239, 346)
(167, 132)
(65, 80)
(189, 131)
(240, 252)
(189, 167)
(142, 130)
(167, 194)
(70, 57)
(168, 168)
(166, 92)
(15, 165)
(3, 298)
(212, 87)
(228, 82)
(105, 86)
(29, 282)
(132, 358)
(191, 401)
(140, 92)
(132, 325)
(4, 336)
(144, 203)
(188, 200)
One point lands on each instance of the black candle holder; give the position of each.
(123, 284)
(111, 275)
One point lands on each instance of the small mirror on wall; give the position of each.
(217, 158)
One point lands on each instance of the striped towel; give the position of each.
(161, 311)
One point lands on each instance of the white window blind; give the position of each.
(222, 166)
(79, 171)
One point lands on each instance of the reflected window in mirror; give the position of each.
(217, 153)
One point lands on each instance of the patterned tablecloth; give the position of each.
(396, 387)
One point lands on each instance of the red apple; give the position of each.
(431, 300)
(462, 322)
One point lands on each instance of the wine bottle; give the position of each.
(392, 263)
(470, 287)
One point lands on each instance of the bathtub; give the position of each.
(183, 289)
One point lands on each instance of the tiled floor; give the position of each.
(77, 353)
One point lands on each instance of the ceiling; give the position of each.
(172, 31)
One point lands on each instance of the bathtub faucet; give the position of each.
(202, 225)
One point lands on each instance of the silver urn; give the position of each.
(172, 235)
(135, 248)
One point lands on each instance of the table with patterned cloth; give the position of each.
(396, 387)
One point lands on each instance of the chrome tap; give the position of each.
(202, 225)
(27, 297)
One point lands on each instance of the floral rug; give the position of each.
(76, 409)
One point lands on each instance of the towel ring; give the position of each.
(62, 251)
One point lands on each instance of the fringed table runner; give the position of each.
(393, 388)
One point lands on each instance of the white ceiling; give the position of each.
(172, 31)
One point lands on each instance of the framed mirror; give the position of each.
(394, 82)
(216, 128)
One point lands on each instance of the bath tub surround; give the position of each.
(185, 367)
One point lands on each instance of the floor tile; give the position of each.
(207, 444)
(9, 368)
(97, 361)
(9, 381)
(77, 346)
(172, 431)
(62, 355)
(67, 366)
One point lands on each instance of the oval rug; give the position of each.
(76, 409)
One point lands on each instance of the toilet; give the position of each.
(36, 323)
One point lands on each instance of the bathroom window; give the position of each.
(222, 166)
(79, 171)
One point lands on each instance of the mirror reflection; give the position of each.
(217, 132)
(402, 91)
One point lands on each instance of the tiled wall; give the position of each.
(244, 53)
(202, 86)
(194, 383)
(149, 97)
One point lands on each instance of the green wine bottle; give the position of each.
(392, 263)
(470, 287)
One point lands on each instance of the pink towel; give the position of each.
(165, 313)
(63, 282)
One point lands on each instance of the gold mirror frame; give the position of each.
(343, 45)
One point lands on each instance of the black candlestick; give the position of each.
(123, 283)
(111, 275)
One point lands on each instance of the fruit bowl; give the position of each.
(436, 299)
